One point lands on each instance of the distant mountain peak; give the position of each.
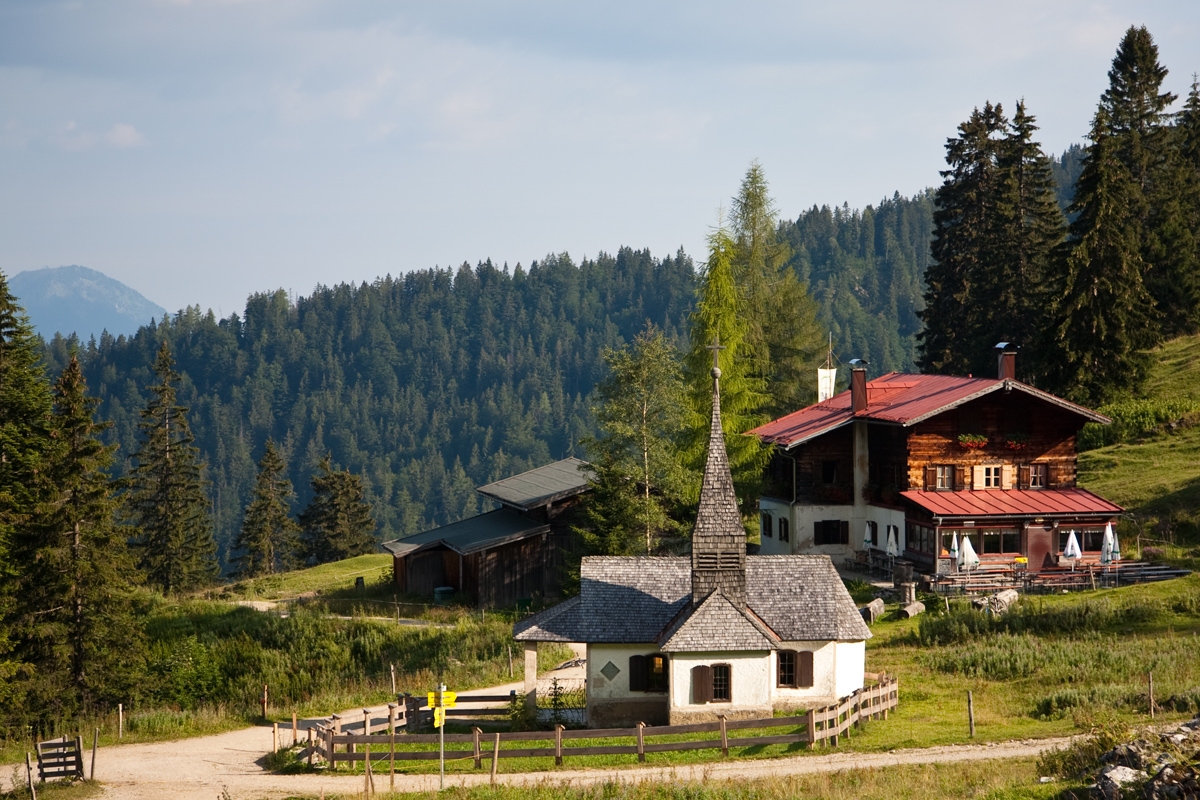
(80, 300)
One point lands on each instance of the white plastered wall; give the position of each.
(602, 688)
(851, 662)
(750, 677)
(824, 688)
(803, 518)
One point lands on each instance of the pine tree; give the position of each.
(783, 338)
(1175, 220)
(640, 411)
(720, 317)
(268, 540)
(1104, 318)
(24, 442)
(337, 523)
(76, 595)
(967, 242)
(175, 544)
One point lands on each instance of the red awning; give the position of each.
(1012, 503)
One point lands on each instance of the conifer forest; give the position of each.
(312, 428)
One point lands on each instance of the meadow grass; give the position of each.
(338, 575)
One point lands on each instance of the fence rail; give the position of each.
(334, 746)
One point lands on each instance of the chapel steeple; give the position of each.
(718, 538)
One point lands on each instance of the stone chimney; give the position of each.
(1006, 362)
(858, 385)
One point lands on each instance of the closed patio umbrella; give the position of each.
(1106, 547)
(1116, 547)
(1072, 550)
(967, 557)
(893, 547)
(867, 537)
(954, 549)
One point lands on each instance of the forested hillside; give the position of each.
(428, 385)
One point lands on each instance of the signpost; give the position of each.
(439, 701)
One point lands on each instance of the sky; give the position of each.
(204, 150)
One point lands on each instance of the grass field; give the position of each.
(325, 578)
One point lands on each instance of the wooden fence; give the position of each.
(333, 745)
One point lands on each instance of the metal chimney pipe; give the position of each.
(858, 389)
(1006, 362)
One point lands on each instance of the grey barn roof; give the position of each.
(471, 535)
(541, 486)
(642, 600)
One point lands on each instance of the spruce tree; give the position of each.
(24, 442)
(337, 522)
(75, 617)
(167, 500)
(640, 411)
(1103, 319)
(720, 317)
(968, 240)
(783, 339)
(268, 541)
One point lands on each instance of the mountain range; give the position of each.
(82, 301)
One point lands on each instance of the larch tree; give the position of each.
(167, 499)
(720, 319)
(76, 622)
(268, 541)
(783, 338)
(639, 478)
(1104, 318)
(337, 522)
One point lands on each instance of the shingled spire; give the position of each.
(718, 538)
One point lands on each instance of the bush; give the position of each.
(1132, 419)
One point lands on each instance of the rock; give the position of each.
(911, 610)
(872, 611)
(1113, 779)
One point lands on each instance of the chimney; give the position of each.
(858, 385)
(1006, 362)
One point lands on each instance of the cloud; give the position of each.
(124, 135)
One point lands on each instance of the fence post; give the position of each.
(1151, 678)
(95, 742)
(335, 731)
(558, 729)
(495, 758)
(392, 743)
(274, 737)
(120, 721)
(393, 679)
(310, 747)
(641, 742)
(78, 756)
(475, 732)
(29, 775)
(810, 720)
(295, 729)
(971, 712)
(724, 736)
(263, 701)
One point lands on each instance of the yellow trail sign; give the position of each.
(448, 699)
(439, 717)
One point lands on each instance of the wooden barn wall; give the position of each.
(835, 446)
(1051, 436)
(512, 571)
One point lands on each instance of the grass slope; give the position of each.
(335, 576)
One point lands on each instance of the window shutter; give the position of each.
(804, 667)
(1023, 476)
(1006, 476)
(930, 478)
(1052, 476)
(845, 532)
(701, 684)
(976, 477)
(959, 478)
(638, 674)
(817, 531)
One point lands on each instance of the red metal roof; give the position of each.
(1012, 502)
(899, 398)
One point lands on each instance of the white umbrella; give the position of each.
(1116, 548)
(1072, 549)
(893, 548)
(867, 537)
(1106, 547)
(967, 557)
(954, 548)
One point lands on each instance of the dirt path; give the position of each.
(200, 768)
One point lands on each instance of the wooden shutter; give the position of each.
(638, 673)
(959, 478)
(976, 477)
(930, 478)
(1006, 476)
(1052, 476)
(817, 531)
(804, 669)
(766, 525)
(1023, 476)
(702, 684)
(845, 532)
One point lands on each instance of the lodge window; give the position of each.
(712, 684)
(945, 478)
(795, 669)
(920, 538)
(785, 533)
(648, 673)
(1091, 539)
(831, 531)
(828, 472)
(1001, 540)
(991, 477)
(766, 525)
(1037, 476)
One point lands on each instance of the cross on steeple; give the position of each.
(716, 347)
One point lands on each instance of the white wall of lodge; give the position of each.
(750, 678)
(802, 519)
(601, 687)
(851, 661)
